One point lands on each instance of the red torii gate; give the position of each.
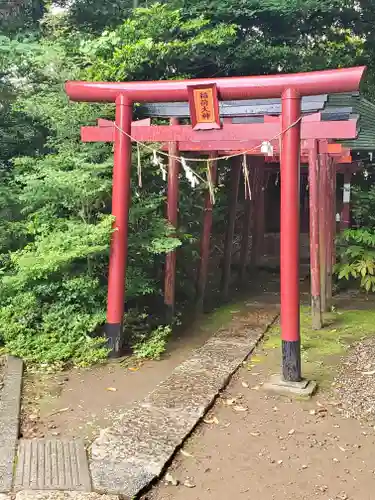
(105, 132)
(291, 88)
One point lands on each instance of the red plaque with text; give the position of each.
(204, 107)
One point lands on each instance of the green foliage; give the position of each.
(363, 206)
(20, 14)
(155, 43)
(152, 346)
(56, 225)
(357, 246)
(357, 257)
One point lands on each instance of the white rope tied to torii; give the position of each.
(193, 177)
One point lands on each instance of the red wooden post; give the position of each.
(289, 236)
(323, 216)
(172, 216)
(345, 213)
(314, 236)
(235, 174)
(121, 195)
(205, 240)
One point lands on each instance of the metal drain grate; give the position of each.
(52, 464)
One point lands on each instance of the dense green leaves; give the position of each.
(357, 257)
(357, 245)
(157, 43)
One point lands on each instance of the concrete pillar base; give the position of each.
(303, 388)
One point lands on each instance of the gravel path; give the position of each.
(354, 387)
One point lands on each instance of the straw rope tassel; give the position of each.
(210, 183)
(139, 166)
(246, 178)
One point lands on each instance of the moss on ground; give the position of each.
(323, 349)
(222, 316)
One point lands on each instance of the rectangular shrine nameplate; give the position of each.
(204, 107)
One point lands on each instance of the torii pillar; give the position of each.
(316, 313)
(120, 210)
(172, 216)
(289, 235)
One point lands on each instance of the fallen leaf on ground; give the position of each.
(111, 389)
(342, 496)
(189, 484)
(60, 411)
(291, 432)
(186, 453)
(169, 479)
(255, 434)
(133, 368)
(245, 384)
(212, 420)
(239, 408)
(230, 401)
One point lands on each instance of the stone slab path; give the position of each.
(58, 495)
(134, 451)
(9, 419)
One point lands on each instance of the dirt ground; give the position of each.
(251, 444)
(256, 445)
(79, 402)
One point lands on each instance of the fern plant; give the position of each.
(357, 257)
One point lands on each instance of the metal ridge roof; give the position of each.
(333, 107)
(365, 109)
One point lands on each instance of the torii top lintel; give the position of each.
(246, 87)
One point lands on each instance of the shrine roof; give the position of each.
(366, 125)
(332, 107)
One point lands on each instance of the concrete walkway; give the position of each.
(134, 451)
